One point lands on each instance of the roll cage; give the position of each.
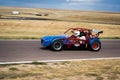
(88, 32)
(71, 40)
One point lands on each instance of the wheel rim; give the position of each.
(96, 46)
(57, 45)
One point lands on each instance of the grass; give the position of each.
(13, 69)
(39, 63)
(20, 29)
(73, 70)
(55, 23)
(69, 15)
(99, 78)
(91, 74)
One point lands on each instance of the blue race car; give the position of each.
(74, 37)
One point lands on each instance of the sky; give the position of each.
(86, 5)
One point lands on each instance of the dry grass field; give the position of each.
(70, 15)
(28, 25)
(75, 70)
(30, 29)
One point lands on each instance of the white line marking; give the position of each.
(24, 62)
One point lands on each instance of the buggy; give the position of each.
(74, 37)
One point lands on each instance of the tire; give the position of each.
(57, 45)
(95, 46)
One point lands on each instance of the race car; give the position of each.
(74, 37)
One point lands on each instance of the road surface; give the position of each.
(29, 50)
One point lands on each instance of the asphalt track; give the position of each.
(29, 50)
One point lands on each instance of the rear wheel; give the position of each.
(57, 45)
(95, 46)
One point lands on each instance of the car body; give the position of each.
(91, 41)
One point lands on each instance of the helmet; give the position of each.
(76, 33)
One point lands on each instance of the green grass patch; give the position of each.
(13, 69)
(39, 63)
(91, 74)
(99, 78)
(110, 37)
(17, 37)
(7, 65)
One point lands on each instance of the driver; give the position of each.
(80, 35)
(76, 34)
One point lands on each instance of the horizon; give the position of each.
(82, 5)
(62, 9)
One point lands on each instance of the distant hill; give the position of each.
(63, 15)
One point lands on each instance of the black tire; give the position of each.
(95, 46)
(57, 45)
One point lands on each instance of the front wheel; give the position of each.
(95, 46)
(57, 45)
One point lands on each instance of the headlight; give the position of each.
(42, 40)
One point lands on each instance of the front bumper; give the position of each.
(44, 43)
